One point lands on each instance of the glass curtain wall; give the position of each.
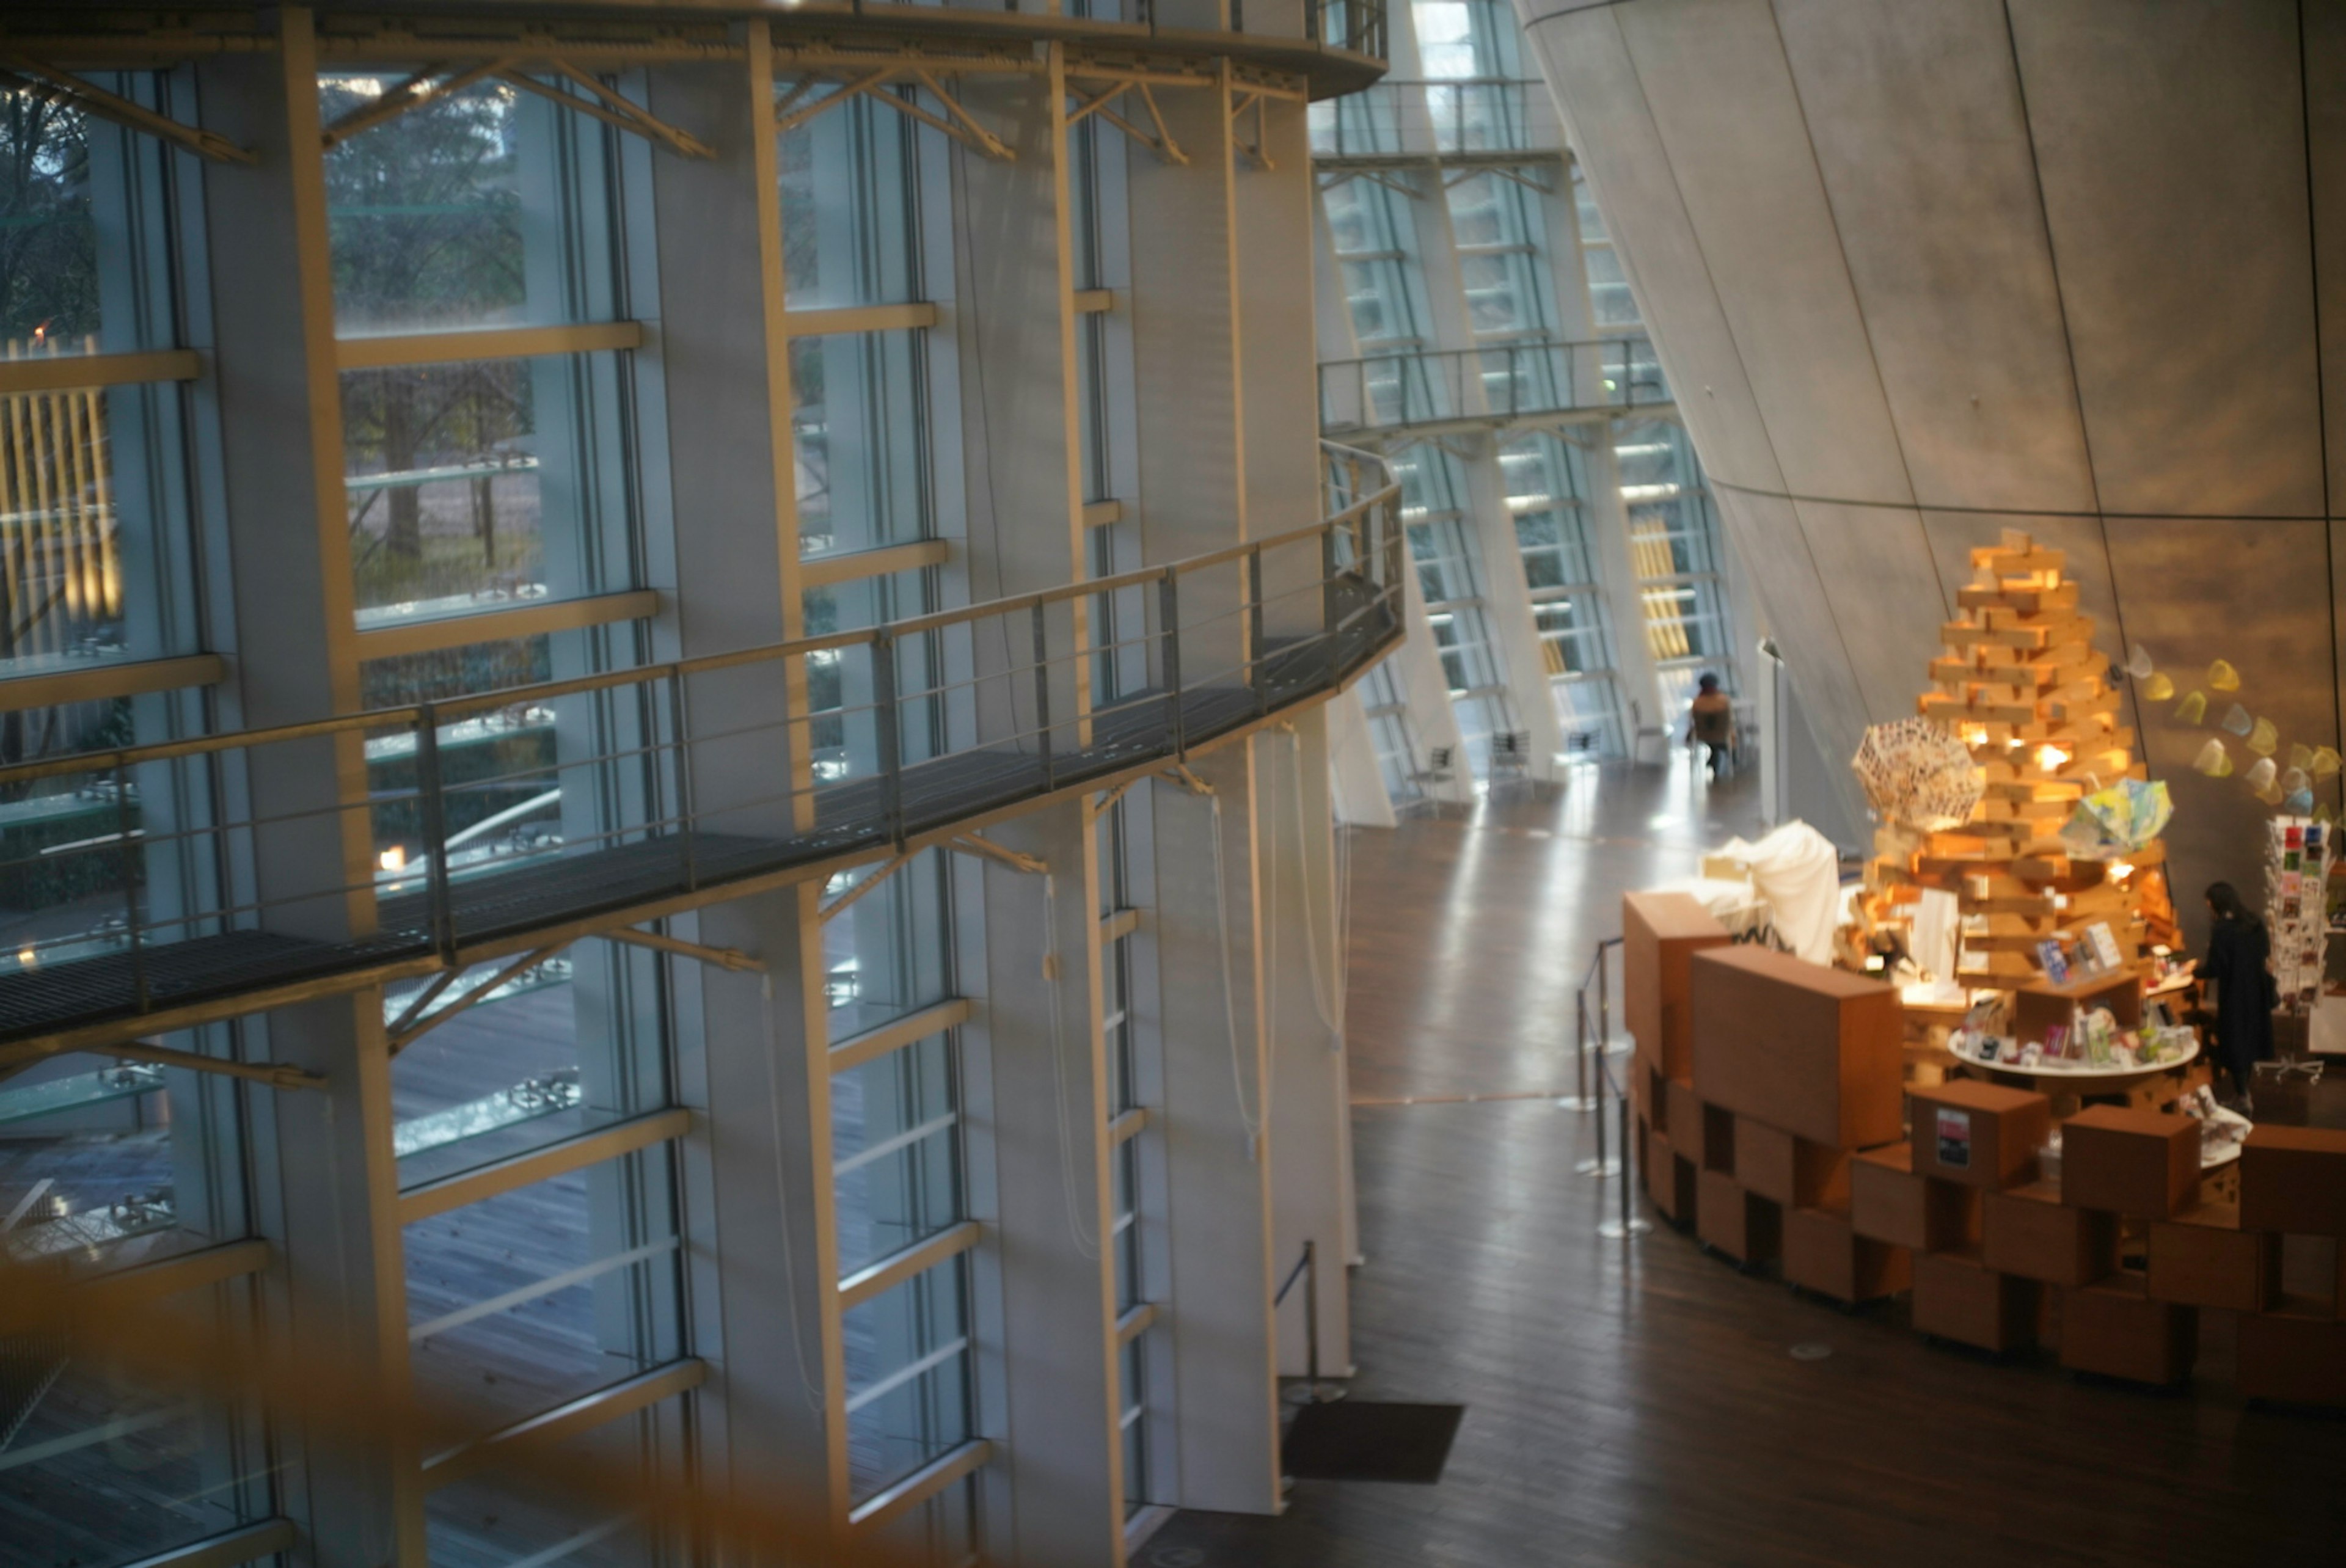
(1449, 571)
(1674, 551)
(478, 487)
(107, 1164)
(859, 181)
(1545, 476)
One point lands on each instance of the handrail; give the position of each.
(439, 858)
(1495, 383)
(457, 707)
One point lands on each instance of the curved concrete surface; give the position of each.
(1920, 270)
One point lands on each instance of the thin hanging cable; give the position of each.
(813, 1386)
(1253, 1125)
(1331, 1012)
(1085, 1244)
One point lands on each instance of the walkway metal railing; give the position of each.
(432, 828)
(1485, 385)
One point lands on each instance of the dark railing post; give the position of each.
(888, 738)
(1331, 606)
(679, 737)
(128, 851)
(1169, 615)
(1261, 670)
(431, 803)
(1043, 698)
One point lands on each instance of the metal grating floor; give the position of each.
(563, 887)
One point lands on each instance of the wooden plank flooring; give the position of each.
(1637, 1404)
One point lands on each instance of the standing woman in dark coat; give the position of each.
(2237, 950)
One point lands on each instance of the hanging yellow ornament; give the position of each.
(2213, 759)
(2300, 755)
(2158, 689)
(2325, 762)
(2223, 677)
(2192, 709)
(2264, 737)
(2269, 794)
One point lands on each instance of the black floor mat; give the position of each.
(1354, 1439)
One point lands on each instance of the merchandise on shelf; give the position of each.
(2297, 852)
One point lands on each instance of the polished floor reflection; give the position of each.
(1638, 1404)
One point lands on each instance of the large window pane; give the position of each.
(486, 483)
(106, 1163)
(485, 207)
(895, 1132)
(850, 204)
(572, 1506)
(907, 1377)
(890, 954)
(530, 1298)
(103, 1466)
(860, 404)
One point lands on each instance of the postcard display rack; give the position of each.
(2062, 937)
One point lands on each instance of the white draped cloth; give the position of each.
(1798, 871)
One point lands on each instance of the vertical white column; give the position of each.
(1056, 1490)
(1207, 996)
(338, 1299)
(1310, 1097)
(750, 1047)
(1217, 1087)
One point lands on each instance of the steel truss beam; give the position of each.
(1394, 180)
(794, 110)
(734, 958)
(971, 844)
(1089, 102)
(417, 1023)
(442, 79)
(31, 78)
(1253, 98)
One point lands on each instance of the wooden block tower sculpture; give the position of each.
(2021, 683)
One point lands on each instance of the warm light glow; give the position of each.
(394, 859)
(27, 959)
(2120, 870)
(1975, 735)
(2050, 757)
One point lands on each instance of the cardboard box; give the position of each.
(2312, 1268)
(2030, 1232)
(2293, 1353)
(1789, 1170)
(1661, 933)
(1717, 1138)
(2294, 1179)
(2117, 1330)
(1823, 1254)
(2202, 1258)
(1682, 1116)
(2141, 1164)
(1813, 1051)
(1888, 1201)
(1958, 1298)
(1746, 1228)
(1980, 1135)
(1660, 1181)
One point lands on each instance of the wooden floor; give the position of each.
(1637, 1403)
